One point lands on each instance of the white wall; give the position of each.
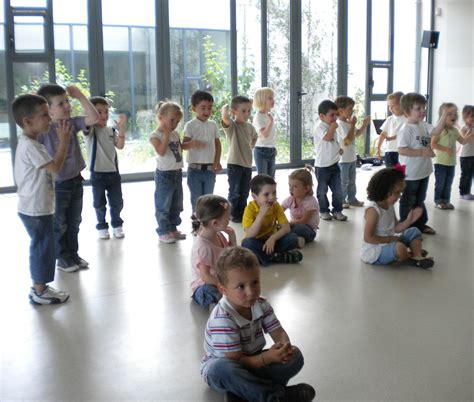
(454, 58)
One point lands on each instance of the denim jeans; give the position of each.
(112, 184)
(413, 196)
(329, 177)
(68, 216)
(265, 160)
(239, 187)
(348, 181)
(168, 200)
(285, 243)
(200, 182)
(444, 176)
(42, 252)
(304, 231)
(467, 171)
(206, 294)
(263, 384)
(389, 250)
(391, 159)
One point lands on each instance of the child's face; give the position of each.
(451, 116)
(468, 119)
(169, 121)
(60, 108)
(242, 112)
(242, 288)
(203, 110)
(297, 188)
(330, 117)
(417, 113)
(396, 192)
(222, 222)
(346, 112)
(270, 102)
(266, 196)
(394, 107)
(38, 122)
(103, 111)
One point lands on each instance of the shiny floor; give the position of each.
(130, 331)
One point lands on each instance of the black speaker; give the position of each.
(430, 39)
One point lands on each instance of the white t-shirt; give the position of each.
(173, 158)
(260, 120)
(468, 148)
(35, 183)
(416, 136)
(349, 154)
(392, 126)
(204, 131)
(326, 152)
(101, 153)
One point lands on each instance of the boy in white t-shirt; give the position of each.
(204, 152)
(414, 147)
(327, 154)
(347, 133)
(34, 169)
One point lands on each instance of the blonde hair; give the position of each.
(304, 176)
(261, 96)
(395, 96)
(164, 107)
(411, 99)
(446, 105)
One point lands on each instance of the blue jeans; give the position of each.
(111, 183)
(304, 231)
(263, 384)
(413, 196)
(206, 294)
(42, 252)
(444, 176)
(348, 181)
(329, 177)
(285, 243)
(168, 200)
(68, 216)
(467, 171)
(391, 158)
(265, 160)
(389, 250)
(239, 187)
(200, 182)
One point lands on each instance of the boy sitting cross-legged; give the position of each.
(267, 230)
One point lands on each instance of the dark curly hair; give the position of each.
(382, 183)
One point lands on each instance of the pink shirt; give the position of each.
(309, 203)
(207, 253)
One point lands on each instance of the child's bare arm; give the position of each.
(278, 353)
(365, 124)
(205, 274)
(382, 138)
(216, 166)
(424, 152)
(161, 145)
(91, 115)
(304, 219)
(265, 131)
(121, 124)
(412, 217)
(231, 234)
(371, 219)
(269, 246)
(331, 132)
(254, 229)
(64, 134)
(225, 115)
(439, 147)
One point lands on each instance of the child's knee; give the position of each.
(402, 251)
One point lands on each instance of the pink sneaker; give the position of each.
(178, 235)
(167, 238)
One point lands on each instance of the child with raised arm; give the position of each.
(241, 136)
(236, 361)
(204, 152)
(327, 155)
(303, 206)
(267, 231)
(265, 148)
(210, 225)
(34, 169)
(414, 141)
(168, 173)
(347, 133)
(390, 128)
(444, 145)
(381, 245)
(68, 180)
(101, 142)
(467, 154)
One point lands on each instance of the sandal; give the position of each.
(423, 263)
(424, 253)
(428, 230)
(288, 257)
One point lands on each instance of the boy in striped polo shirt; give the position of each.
(235, 360)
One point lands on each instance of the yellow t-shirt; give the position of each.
(275, 216)
(448, 139)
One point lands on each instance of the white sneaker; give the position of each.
(118, 232)
(301, 242)
(67, 264)
(167, 238)
(48, 296)
(339, 216)
(104, 234)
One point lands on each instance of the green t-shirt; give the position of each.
(447, 138)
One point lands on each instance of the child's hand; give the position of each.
(228, 230)
(333, 125)
(64, 130)
(365, 123)
(279, 352)
(269, 245)
(414, 214)
(353, 121)
(121, 122)
(427, 153)
(263, 209)
(225, 111)
(74, 92)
